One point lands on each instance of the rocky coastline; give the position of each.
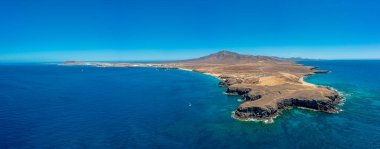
(267, 113)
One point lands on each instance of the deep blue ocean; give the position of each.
(50, 106)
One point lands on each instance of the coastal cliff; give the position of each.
(267, 84)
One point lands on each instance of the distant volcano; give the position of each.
(230, 57)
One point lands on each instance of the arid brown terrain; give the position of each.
(267, 84)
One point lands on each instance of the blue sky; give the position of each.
(55, 30)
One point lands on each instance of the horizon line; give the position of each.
(137, 61)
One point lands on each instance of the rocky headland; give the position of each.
(267, 85)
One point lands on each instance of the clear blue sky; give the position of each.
(49, 30)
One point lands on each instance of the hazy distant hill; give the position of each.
(224, 56)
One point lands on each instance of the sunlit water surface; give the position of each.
(48, 106)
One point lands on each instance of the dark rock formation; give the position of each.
(237, 90)
(310, 100)
(270, 112)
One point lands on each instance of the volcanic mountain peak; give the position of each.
(230, 57)
(225, 52)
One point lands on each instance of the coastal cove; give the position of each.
(80, 106)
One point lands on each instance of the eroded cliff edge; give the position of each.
(267, 84)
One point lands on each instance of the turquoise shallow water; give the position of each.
(47, 106)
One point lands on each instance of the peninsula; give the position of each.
(267, 84)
